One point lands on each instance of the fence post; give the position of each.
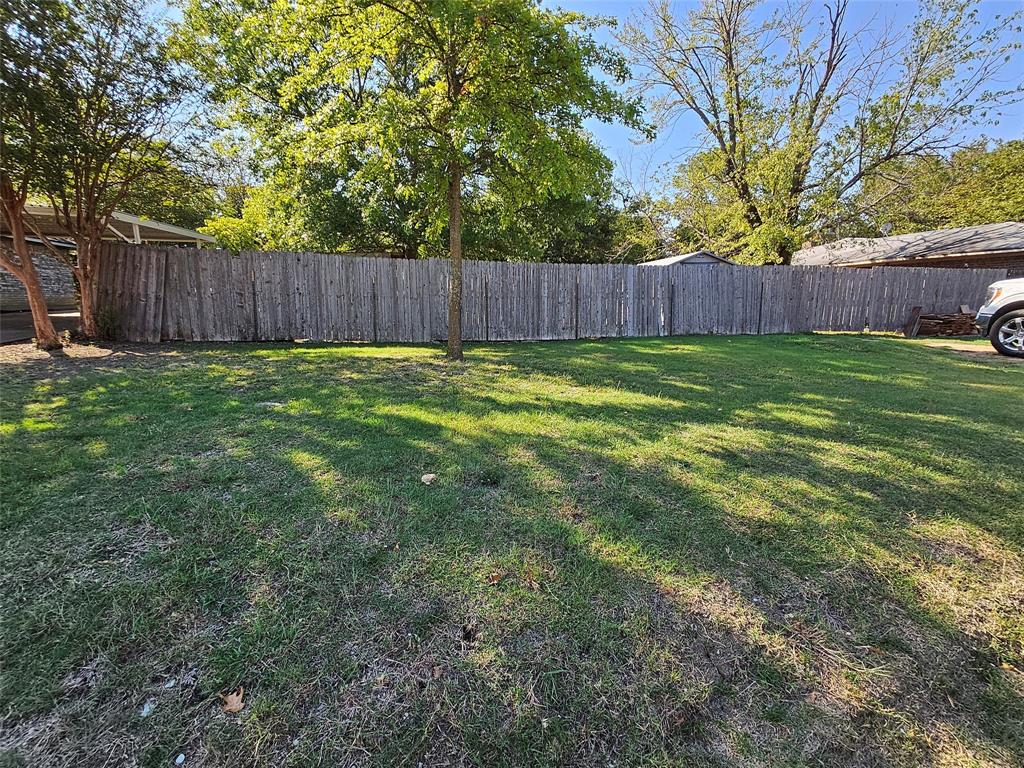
(255, 307)
(163, 296)
(760, 301)
(671, 302)
(373, 301)
(576, 302)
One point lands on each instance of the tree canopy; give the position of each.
(798, 110)
(973, 185)
(35, 40)
(352, 113)
(90, 110)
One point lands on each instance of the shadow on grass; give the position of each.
(717, 551)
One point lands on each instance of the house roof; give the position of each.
(56, 242)
(683, 258)
(982, 240)
(123, 226)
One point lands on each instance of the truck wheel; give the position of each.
(1007, 333)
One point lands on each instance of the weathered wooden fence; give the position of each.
(172, 293)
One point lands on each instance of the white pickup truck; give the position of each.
(1001, 318)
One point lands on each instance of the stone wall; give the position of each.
(58, 285)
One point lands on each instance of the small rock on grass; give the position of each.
(428, 479)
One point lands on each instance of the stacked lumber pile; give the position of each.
(955, 324)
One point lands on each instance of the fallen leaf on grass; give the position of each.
(494, 578)
(232, 702)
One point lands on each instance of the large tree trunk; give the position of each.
(86, 306)
(25, 270)
(455, 253)
(86, 274)
(46, 334)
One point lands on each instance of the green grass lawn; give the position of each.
(765, 551)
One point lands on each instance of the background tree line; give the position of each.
(805, 116)
(812, 127)
(443, 127)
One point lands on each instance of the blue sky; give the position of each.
(648, 164)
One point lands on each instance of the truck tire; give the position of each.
(1007, 333)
